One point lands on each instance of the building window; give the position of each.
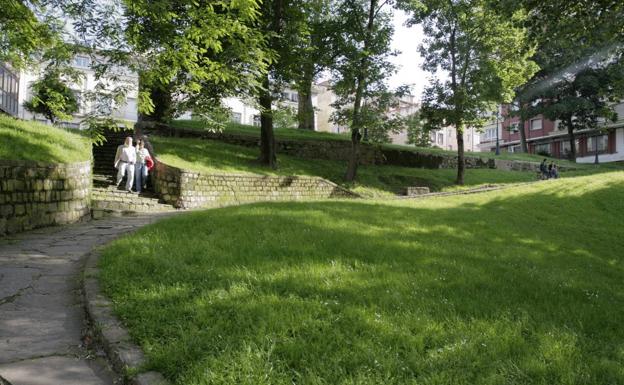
(256, 120)
(543, 149)
(536, 124)
(294, 97)
(565, 147)
(9, 85)
(236, 117)
(81, 61)
(601, 142)
(514, 149)
(513, 127)
(440, 138)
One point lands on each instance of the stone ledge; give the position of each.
(123, 354)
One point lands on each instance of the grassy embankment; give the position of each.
(521, 286)
(26, 140)
(372, 181)
(291, 133)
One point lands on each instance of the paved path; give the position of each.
(42, 318)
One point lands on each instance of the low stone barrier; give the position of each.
(340, 150)
(188, 189)
(36, 194)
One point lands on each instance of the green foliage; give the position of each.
(403, 292)
(285, 117)
(22, 34)
(26, 140)
(486, 54)
(378, 116)
(416, 132)
(52, 97)
(196, 50)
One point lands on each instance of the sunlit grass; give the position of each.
(522, 286)
(26, 140)
(373, 181)
(296, 134)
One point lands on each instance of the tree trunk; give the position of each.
(523, 141)
(572, 139)
(460, 154)
(267, 138)
(305, 109)
(163, 104)
(356, 136)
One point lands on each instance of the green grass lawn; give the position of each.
(290, 133)
(373, 181)
(518, 286)
(26, 140)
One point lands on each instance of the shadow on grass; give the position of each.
(524, 288)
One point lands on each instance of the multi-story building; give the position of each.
(547, 137)
(9, 90)
(85, 93)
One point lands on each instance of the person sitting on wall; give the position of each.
(125, 158)
(543, 170)
(141, 168)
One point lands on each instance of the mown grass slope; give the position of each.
(296, 134)
(520, 286)
(373, 181)
(26, 140)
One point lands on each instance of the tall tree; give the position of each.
(362, 67)
(580, 53)
(314, 55)
(283, 23)
(485, 54)
(195, 51)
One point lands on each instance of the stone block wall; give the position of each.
(186, 189)
(36, 194)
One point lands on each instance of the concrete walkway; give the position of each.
(42, 318)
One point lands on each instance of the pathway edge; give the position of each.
(123, 354)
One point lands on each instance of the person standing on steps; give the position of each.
(140, 170)
(124, 163)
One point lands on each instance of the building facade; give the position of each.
(550, 138)
(9, 90)
(85, 93)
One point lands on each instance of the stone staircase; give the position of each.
(107, 200)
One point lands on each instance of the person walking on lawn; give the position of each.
(124, 163)
(543, 169)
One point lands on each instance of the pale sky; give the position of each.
(407, 40)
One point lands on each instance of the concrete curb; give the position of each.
(122, 353)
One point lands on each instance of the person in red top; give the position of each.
(141, 170)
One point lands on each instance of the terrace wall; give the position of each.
(187, 189)
(36, 194)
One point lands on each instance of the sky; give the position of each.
(406, 40)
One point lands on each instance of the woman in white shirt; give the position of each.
(140, 171)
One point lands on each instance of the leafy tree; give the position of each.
(194, 52)
(315, 54)
(416, 132)
(378, 115)
(362, 67)
(580, 60)
(486, 55)
(52, 97)
(283, 24)
(23, 34)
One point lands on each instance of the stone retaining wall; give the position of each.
(340, 150)
(36, 194)
(187, 189)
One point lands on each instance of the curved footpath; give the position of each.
(43, 330)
